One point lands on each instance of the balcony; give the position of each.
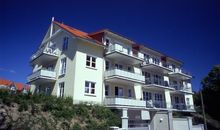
(123, 77)
(156, 104)
(118, 53)
(155, 85)
(182, 88)
(156, 67)
(44, 54)
(120, 102)
(183, 107)
(42, 76)
(180, 74)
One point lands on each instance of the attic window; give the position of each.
(107, 41)
(65, 43)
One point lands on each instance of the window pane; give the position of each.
(106, 90)
(92, 91)
(86, 90)
(93, 59)
(93, 65)
(88, 58)
(87, 63)
(92, 85)
(87, 84)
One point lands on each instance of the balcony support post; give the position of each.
(167, 99)
(170, 120)
(124, 118)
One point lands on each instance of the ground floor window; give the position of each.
(61, 89)
(89, 87)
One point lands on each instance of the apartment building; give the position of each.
(106, 68)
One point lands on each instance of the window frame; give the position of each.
(91, 88)
(65, 43)
(61, 89)
(63, 63)
(90, 62)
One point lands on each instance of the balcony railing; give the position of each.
(120, 49)
(156, 104)
(182, 106)
(116, 101)
(46, 50)
(124, 74)
(42, 73)
(186, 88)
(160, 64)
(181, 71)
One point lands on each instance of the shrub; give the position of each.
(76, 126)
(7, 100)
(23, 106)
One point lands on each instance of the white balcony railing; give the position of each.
(46, 74)
(181, 71)
(182, 106)
(121, 49)
(124, 74)
(186, 87)
(159, 64)
(115, 101)
(156, 104)
(46, 50)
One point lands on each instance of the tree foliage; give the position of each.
(211, 93)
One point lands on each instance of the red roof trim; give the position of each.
(77, 32)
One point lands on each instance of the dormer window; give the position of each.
(107, 42)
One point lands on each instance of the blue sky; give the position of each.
(188, 30)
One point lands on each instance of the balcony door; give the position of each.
(118, 66)
(119, 92)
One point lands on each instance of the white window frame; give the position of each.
(63, 63)
(90, 89)
(90, 62)
(61, 89)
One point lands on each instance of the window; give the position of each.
(106, 65)
(48, 90)
(129, 93)
(158, 97)
(146, 57)
(65, 43)
(90, 61)
(61, 90)
(89, 87)
(106, 90)
(147, 77)
(63, 66)
(187, 101)
(118, 66)
(118, 92)
(157, 79)
(129, 68)
(156, 61)
(107, 41)
(147, 96)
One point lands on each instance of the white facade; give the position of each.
(117, 73)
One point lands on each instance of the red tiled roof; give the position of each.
(19, 86)
(5, 82)
(76, 32)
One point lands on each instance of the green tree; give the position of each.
(211, 93)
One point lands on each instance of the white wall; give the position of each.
(83, 73)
